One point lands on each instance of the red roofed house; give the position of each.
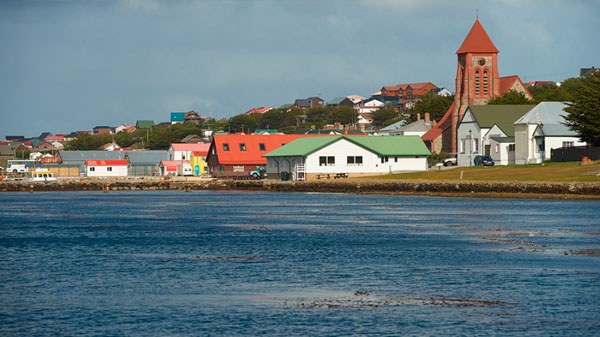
(183, 151)
(260, 110)
(237, 154)
(477, 82)
(106, 168)
(406, 91)
(57, 138)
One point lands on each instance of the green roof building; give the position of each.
(330, 157)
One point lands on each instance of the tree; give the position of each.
(511, 97)
(272, 119)
(433, 103)
(343, 114)
(243, 122)
(583, 114)
(384, 114)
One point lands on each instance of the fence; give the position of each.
(575, 153)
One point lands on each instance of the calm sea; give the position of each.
(170, 263)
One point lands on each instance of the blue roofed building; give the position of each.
(177, 117)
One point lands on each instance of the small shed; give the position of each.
(106, 168)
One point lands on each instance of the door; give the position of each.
(487, 149)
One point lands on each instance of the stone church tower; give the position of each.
(477, 82)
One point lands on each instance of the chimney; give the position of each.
(427, 121)
(418, 116)
(434, 123)
(346, 128)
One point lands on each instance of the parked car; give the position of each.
(451, 161)
(483, 161)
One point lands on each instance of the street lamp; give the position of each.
(470, 147)
(543, 144)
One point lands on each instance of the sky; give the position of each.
(71, 65)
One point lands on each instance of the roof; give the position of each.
(477, 41)
(152, 156)
(416, 126)
(444, 124)
(394, 126)
(501, 115)
(355, 98)
(177, 116)
(507, 82)
(301, 102)
(504, 139)
(51, 138)
(259, 110)
(336, 100)
(144, 124)
(90, 155)
(105, 162)
(550, 114)
(285, 106)
(7, 150)
(190, 147)
(404, 86)
(261, 131)
(253, 154)
(174, 162)
(381, 145)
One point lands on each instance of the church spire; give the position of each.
(477, 41)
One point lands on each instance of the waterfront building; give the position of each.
(106, 168)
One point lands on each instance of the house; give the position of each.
(192, 117)
(57, 138)
(106, 168)
(369, 106)
(335, 156)
(173, 167)
(310, 102)
(198, 163)
(43, 146)
(183, 151)
(260, 110)
(392, 127)
(78, 158)
(364, 118)
(101, 130)
(586, 71)
(57, 146)
(416, 128)
(406, 91)
(477, 82)
(125, 128)
(444, 92)
(144, 124)
(177, 117)
(481, 122)
(238, 154)
(110, 147)
(192, 139)
(340, 101)
(286, 107)
(540, 130)
(145, 163)
(7, 152)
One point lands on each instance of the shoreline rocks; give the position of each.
(476, 189)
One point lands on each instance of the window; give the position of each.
(476, 149)
(238, 168)
(385, 159)
(462, 145)
(497, 148)
(485, 82)
(395, 159)
(354, 160)
(511, 147)
(477, 82)
(92, 169)
(242, 147)
(326, 161)
(225, 147)
(262, 147)
(109, 168)
(568, 144)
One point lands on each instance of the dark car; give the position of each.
(483, 161)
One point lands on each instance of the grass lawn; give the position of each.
(550, 172)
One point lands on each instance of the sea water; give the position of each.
(170, 263)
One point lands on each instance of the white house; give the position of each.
(183, 151)
(106, 168)
(541, 130)
(481, 122)
(416, 128)
(368, 106)
(311, 158)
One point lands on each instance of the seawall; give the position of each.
(475, 189)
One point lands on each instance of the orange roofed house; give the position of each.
(477, 82)
(237, 154)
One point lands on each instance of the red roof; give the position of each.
(105, 162)
(252, 154)
(507, 82)
(477, 41)
(259, 110)
(202, 147)
(200, 153)
(444, 124)
(58, 138)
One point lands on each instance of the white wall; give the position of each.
(103, 171)
(527, 146)
(503, 156)
(463, 157)
(557, 142)
(179, 155)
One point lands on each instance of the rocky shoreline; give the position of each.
(475, 189)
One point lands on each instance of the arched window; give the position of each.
(477, 82)
(485, 82)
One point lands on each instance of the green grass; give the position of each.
(550, 172)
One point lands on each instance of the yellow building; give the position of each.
(198, 163)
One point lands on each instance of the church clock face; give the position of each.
(481, 61)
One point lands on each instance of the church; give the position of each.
(477, 82)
